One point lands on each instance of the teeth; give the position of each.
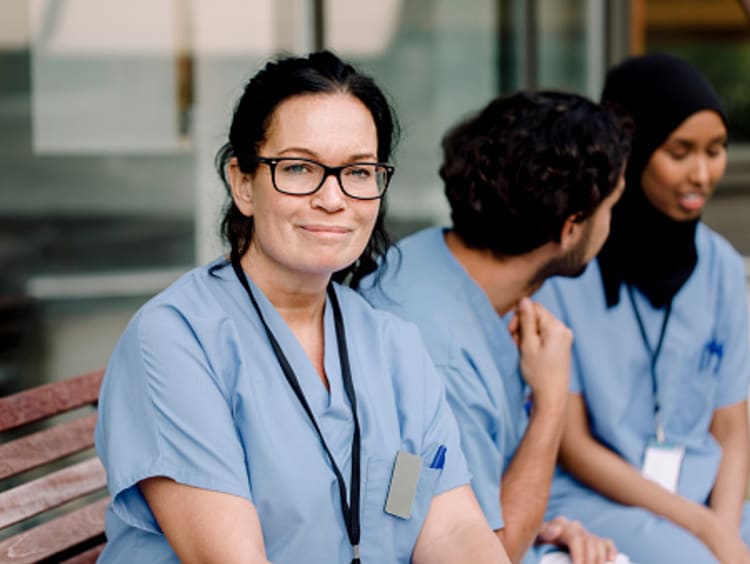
(692, 196)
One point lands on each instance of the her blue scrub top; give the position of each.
(194, 392)
(704, 364)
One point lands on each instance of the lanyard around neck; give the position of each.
(654, 356)
(349, 509)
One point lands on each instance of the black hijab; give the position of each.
(646, 248)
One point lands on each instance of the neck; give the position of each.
(505, 280)
(299, 301)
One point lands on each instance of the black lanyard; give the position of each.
(654, 355)
(350, 510)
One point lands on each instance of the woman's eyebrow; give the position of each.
(308, 152)
(688, 144)
(313, 155)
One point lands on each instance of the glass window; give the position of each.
(111, 113)
(438, 61)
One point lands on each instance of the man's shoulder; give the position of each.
(414, 280)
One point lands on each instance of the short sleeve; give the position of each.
(163, 411)
(441, 429)
(732, 339)
(480, 440)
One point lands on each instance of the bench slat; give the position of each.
(47, 445)
(55, 536)
(50, 399)
(50, 491)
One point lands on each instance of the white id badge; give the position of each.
(662, 463)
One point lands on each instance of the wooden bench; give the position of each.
(52, 485)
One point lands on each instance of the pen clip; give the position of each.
(438, 460)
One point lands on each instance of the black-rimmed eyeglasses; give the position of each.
(301, 177)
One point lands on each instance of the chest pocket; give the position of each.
(386, 531)
(690, 388)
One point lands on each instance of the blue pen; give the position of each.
(439, 460)
(712, 350)
(718, 351)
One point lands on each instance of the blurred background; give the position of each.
(111, 113)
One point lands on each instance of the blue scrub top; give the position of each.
(194, 392)
(704, 364)
(471, 347)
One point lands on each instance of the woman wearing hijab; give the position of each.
(655, 450)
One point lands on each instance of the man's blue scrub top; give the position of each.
(193, 392)
(704, 363)
(471, 347)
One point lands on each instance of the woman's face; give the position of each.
(683, 172)
(321, 233)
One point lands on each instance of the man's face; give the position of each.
(593, 235)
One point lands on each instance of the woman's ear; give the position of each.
(242, 187)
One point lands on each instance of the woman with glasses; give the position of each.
(258, 411)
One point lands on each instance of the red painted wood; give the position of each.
(50, 399)
(45, 446)
(51, 491)
(55, 536)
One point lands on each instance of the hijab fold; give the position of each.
(646, 248)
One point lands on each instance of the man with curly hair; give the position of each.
(531, 180)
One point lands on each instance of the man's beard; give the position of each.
(570, 265)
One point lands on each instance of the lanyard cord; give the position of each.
(349, 511)
(653, 353)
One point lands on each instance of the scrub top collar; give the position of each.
(495, 329)
(326, 404)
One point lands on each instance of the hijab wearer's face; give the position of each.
(684, 170)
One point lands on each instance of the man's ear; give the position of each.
(570, 234)
(242, 187)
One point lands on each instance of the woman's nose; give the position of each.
(330, 196)
(699, 172)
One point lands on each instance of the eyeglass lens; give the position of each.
(358, 180)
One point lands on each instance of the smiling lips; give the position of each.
(692, 201)
(326, 229)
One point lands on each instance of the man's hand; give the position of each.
(584, 547)
(544, 344)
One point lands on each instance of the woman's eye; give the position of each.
(360, 173)
(677, 154)
(715, 150)
(295, 168)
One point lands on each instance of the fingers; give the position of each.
(610, 550)
(550, 531)
(584, 548)
(527, 324)
(514, 330)
(550, 327)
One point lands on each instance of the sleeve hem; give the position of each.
(191, 479)
(731, 400)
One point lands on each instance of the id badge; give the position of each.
(403, 485)
(662, 463)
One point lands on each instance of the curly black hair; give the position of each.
(514, 172)
(319, 73)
